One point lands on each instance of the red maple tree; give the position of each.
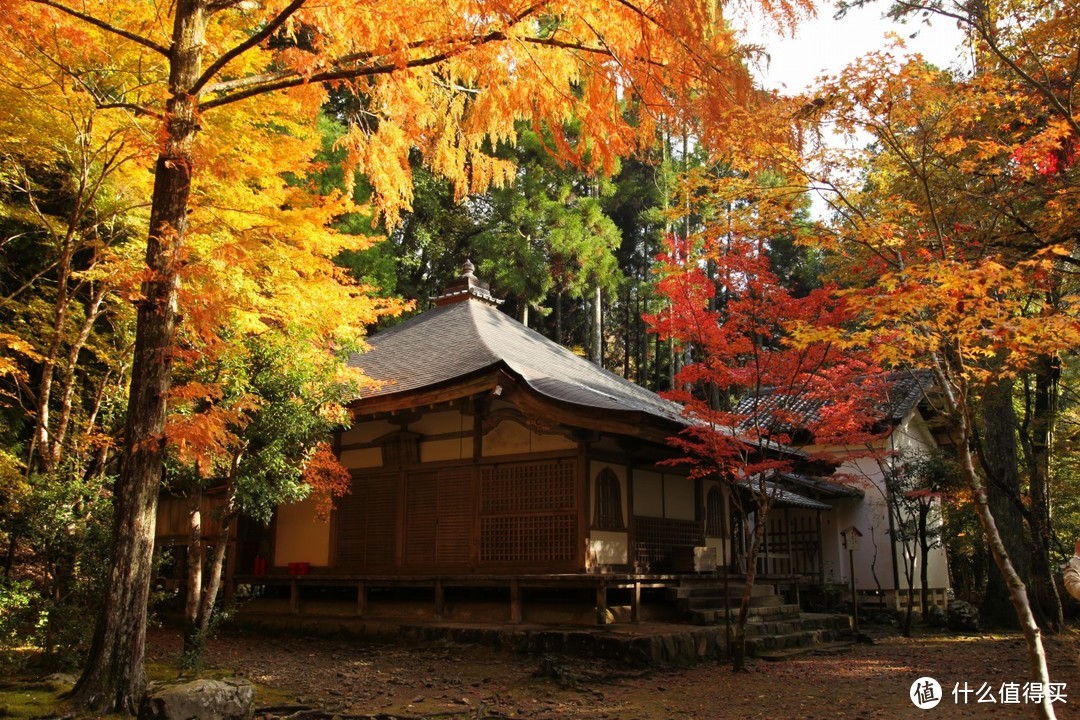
(767, 392)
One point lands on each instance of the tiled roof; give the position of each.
(781, 496)
(467, 336)
(896, 395)
(821, 486)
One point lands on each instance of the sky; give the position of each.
(824, 45)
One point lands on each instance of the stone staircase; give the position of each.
(775, 630)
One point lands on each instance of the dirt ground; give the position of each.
(344, 676)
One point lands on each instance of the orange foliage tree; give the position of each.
(448, 79)
(955, 228)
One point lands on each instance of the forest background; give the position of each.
(948, 241)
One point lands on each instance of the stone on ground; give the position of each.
(230, 699)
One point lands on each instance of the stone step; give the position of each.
(710, 602)
(756, 646)
(715, 616)
(802, 623)
(734, 590)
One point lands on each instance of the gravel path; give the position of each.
(343, 677)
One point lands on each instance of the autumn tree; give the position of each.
(251, 424)
(1025, 54)
(958, 245)
(70, 200)
(763, 379)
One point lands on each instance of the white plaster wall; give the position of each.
(648, 493)
(445, 449)
(443, 421)
(362, 458)
(679, 500)
(512, 438)
(300, 537)
(871, 517)
(607, 548)
(366, 432)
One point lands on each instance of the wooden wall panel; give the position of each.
(454, 534)
(366, 522)
(421, 517)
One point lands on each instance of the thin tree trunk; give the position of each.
(59, 437)
(217, 570)
(956, 405)
(738, 655)
(626, 334)
(597, 328)
(558, 317)
(924, 557)
(193, 591)
(910, 604)
(114, 678)
(41, 453)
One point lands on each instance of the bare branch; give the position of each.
(145, 42)
(269, 29)
(133, 107)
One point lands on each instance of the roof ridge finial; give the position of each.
(466, 287)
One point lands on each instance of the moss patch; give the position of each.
(32, 699)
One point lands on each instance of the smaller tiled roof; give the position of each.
(781, 495)
(902, 392)
(896, 395)
(821, 486)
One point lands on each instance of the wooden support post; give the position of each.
(361, 598)
(515, 600)
(438, 599)
(601, 603)
(294, 596)
(635, 602)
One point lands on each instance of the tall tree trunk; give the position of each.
(114, 678)
(998, 450)
(1038, 441)
(597, 328)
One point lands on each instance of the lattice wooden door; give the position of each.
(528, 513)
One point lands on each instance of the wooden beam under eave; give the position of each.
(633, 424)
(412, 399)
